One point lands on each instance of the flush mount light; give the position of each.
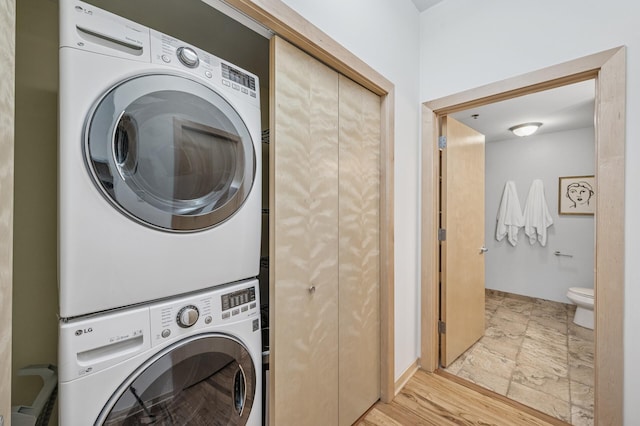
(525, 129)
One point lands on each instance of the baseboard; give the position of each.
(406, 376)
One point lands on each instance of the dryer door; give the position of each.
(204, 380)
(170, 152)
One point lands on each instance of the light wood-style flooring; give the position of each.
(431, 399)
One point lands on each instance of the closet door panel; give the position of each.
(304, 215)
(359, 264)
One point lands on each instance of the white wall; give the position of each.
(385, 34)
(533, 270)
(467, 43)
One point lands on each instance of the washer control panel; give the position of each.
(96, 342)
(203, 311)
(188, 316)
(237, 302)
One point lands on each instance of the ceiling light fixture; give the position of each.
(525, 129)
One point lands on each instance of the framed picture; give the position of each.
(576, 195)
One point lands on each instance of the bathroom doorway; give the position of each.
(608, 70)
(529, 350)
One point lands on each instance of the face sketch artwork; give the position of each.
(579, 193)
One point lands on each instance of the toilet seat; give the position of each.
(582, 291)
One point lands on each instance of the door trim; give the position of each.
(608, 68)
(7, 136)
(288, 24)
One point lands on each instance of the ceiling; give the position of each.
(423, 5)
(560, 109)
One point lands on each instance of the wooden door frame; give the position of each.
(7, 138)
(608, 68)
(288, 24)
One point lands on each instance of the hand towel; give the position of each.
(510, 218)
(536, 214)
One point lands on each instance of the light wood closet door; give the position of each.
(359, 250)
(304, 238)
(324, 307)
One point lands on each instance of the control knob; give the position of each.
(188, 56)
(187, 316)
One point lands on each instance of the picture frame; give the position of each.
(576, 195)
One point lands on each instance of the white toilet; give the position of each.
(583, 297)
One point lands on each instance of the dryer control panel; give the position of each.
(233, 80)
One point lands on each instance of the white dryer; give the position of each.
(159, 183)
(194, 360)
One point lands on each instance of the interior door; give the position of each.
(462, 249)
(7, 108)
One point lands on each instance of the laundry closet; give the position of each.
(338, 228)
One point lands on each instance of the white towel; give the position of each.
(536, 214)
(510, 218)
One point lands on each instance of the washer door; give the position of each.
(205, 380)
(170, 152)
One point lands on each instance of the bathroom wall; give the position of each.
(533, 270)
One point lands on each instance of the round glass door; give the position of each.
(170, 153)
(207, 380)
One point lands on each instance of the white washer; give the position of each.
(159, 178)
(192, 360)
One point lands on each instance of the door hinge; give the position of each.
(442, 327)
(442, 142)
(442, 234)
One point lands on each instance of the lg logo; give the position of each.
(83, 331)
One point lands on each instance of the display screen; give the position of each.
(237, 298)
(238, 77)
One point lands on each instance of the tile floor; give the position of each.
(532, 352)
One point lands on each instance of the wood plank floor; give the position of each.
(431, 399)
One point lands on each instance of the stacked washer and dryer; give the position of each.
(159, 228)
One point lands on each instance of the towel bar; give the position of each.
(557, 253)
